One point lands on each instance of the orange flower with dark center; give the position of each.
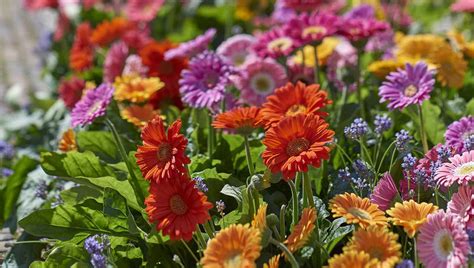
(82, 51)
(68, 141)
(108, 31)
(162, 155)
(291, 100)
(242, 119)
(295, 143)
(176, 207)
(169, 72)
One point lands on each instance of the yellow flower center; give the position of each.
(360, 213)
(177, 205)
(239, 59)
(234, 261)
(280, 44)
(465, 169)
(313, 30)
(164, 152)
(444, 244)
(410, 91)
(296, 109)
(296, 146)
(262, 83)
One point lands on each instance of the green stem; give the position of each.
(365, 151)
(317, 249)
(294, 197)
(190, 251)
(415, 253)
(384, 155)
(210, 139)
(317, 73)
(208, 229)
(343, 152)
(277, 234)
(282, 220)
(436, 196)
(422, 130)
(200, 238)
(308, 191)
(284, 249)
(251, 202)
(344, 100)
(123, 154)
(249, 156)
(359, 89)
(255, 197)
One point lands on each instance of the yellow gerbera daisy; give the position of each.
(457, 40)
(357, 210)
(302, 231)
(419, 47)
(451, 67)
(273, 262)
(382, 68)
(136, 89)
(260, 220)
(138, 115)
(469, 50)
(353, 259)
(68, 141)
(411, 215)
(234, 246)
(325, 49)
(378, 242)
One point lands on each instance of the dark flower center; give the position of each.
(410, 91)
(177, 205)
(211, 79)
(296, 146)
(296, 109)
(163, 152)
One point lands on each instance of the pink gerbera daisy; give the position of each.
(236, 49)
(134, 65)
(312, 28)
(463, 6)
(275, 43)
(459, 131)
(301, 5)
(385, 192)
(259, 79)
(115, 61)
(459, 169)
(360, 29)
(442, 241)
(192, 47)
(143, 10)
(460, 203)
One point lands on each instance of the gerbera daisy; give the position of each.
(241, 119)
(136, 89)
(108, 31)
(312, 28)
(162, 155)
(357, 210)
(193, 47)
(70, 91)
(134, 65)
(459, 170)
(325, 50)
(68, 141)
(176, 207)
(463, 6)
(273, 262)
(275, 43)
(260, 219)
(360, 29)
(115, 61)
(385, 192)
(234, 246)
(461, 203)
(301, 5)
(442, 241)
(411, 215)
(450, 66)
(236, 49)
(302, 231)
(418, 47)
(299, 73)
(382, 68)
(406, 87)
(204, 83)
(82, 51)
(138, 115)
(378, 242)
(92, 105)
(143, 10)
(353, 259)
(458, 132)
(291, 100)
(295, 143)
(259, 78)
(137, 37)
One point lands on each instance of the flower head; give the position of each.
(357, 210)
(236, 245)
(138, 115)
(461, 204)
(357, 129)
(92, 105)
(405, 87)
(142, 10)
(273, 262)
(260, 219)
(450, 66)
(176, 207)
(220, 206)
(382, 123)
(459, 170)
(136, 89)
(68, 141)
(275, 43)
(236, 49)
(134, 65)
(70, 91)
(354, 259)
(385, 192)
(295, 143)
(243, 120)
(463, 6)
(458, 132)
(6, 150)
(82, 51)
(162, 155)
(200, 184)
(302, 231)
(115, 61)
(402, 140)
(97, 246)
(360, 29)
(312, 28)
(192, 48)
(411, 215)
(108, 31)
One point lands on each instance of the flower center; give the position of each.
(94, 108)
(314, 30)
(239, 58)
(280, 44)
(467, 134)
(163, 152)
(410, 91)
(210, 80)
(377, 253)
(262, 83)
(443, 244)
(465, 169)
(296, 146)
(296, 109)
(234, 261)
(177, 205)
(360, 213)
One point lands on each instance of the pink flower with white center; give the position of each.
(236, 49)
(458, 170)
(275, 43)
(461, 204)
(312, 28)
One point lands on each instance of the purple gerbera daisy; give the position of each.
(458, 132)
(275, 43)
(236, 49)
(92, 105)
(204, 83)
(193, 47)
(405, 87)
(312, 28)
(385, 192)
(115, 61)
(363, 11)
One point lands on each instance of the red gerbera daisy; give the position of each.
(295, 143)
(242, 119)
(168, 71)
(70, 91)
(108, 31)
(162, 155)
(177, 207)
(291, 100)
(82, 52)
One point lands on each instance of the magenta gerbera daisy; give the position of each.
(301, 5)
(458, 132)
(458, 170)
(461, 203)
(259, 78)
(236, 49)
(193, 47)
(275, 43)
(385, 192)
(442, 241)
(312, 28)
(92, 105)
(405, 87)
(360, 29)
(115, 61)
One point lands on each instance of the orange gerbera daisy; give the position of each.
(135, 88)
(138, 115)
(411, 215)
(162, 155)
(295, 143)
(234, 246)
(291, 100)
(273, 262)
(82, 51)
(302, 231)
(353, 259)
(357, 210)
(379, 243)
(68, 141)
(108, 31)
(169, 71)
(241, 119)
(450, 66)
(260, 219)
(177, 207)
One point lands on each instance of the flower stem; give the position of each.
(317, 72)
(288, 254)
(294, 197)
(415, 253)
(359, 89)
(282, 220)
(249, 156)
(208, 229)
(422, 130)
(251, 201)
(308, 191)
(210, 139)
(133, 179)
(317, 249)
(344, 100)
(190, 251)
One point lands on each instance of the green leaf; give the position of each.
(232, 191)
(434, 127)
(78, 195)
(100, 142)
(470, 107)
(233, 217)
(65, 255)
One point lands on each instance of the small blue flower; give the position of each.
(344, 174)
(42, 190)
(409, 161)
(200, 184)
(357, 129)
(405, 264)
(469, 143)
(6, 172)
(382, 123)
(402, 140)
(220, 206)
(362, 169)
(444, 153)
(6, 150)
(96, 246)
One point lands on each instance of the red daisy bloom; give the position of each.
(70, 91)
(242, 119)
(82, 52)
(109, 31)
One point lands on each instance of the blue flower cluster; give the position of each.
(357, 129)
(97, 246)
(6, 150)
(409, 161)
(403, 138)
(382, 123)
(200, 184)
